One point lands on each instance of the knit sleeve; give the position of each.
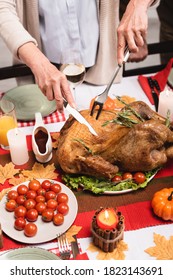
(12, 31)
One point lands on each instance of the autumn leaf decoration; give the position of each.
(73, 230)
(39, 171)
(8, 171)
(17, 176)
(163, 249)
(117, 254)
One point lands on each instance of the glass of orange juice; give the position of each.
(7, 121)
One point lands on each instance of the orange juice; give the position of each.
(6, 123)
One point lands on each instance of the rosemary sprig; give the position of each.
(123, 119)
(86, 147)
(131, 109)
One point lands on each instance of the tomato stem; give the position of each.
(170, 196)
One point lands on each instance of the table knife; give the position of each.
(75, 247)
(79, 117)
(154, 94)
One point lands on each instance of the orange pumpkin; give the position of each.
(162, 203)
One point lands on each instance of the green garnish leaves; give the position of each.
(99, 186)
(123, 118)
(84, 145)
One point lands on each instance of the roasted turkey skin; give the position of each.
(144, 145)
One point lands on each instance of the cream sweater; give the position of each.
(19, 24)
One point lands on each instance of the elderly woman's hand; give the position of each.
(133, 27)
(53, 84)
(50, 80)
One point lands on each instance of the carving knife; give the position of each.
(75, 247)
(79, 117)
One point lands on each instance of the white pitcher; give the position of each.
(41, 140)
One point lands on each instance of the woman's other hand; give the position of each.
(133, 27)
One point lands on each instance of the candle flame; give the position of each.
(106, 215)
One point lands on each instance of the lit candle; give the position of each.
(18, 146)
(107, 219)
(166, 103)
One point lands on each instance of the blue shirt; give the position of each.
(69, 24)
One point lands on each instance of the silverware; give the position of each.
(79, 117)
(75, 247)
(101, 98)
(156, 84)
(153, 84)
(64, 248)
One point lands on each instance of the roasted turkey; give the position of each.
(134, 138)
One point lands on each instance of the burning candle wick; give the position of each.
(106, 215)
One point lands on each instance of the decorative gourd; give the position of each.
(162, 203)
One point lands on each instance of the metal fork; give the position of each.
(101, 98)
(63, 245)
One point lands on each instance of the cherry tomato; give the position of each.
(29, 203)
(46, 184)
(40, 198)
(50, 195)
(19, 223)
(22, 189)
(63, 208)
(62, 197)
(20, 211)
(32, 215)
(47, 215)
(52, 204)
(12, 195)
(34, 185)
(55, 188)
(139, 177)
(30, 229)
(20, 199)
(11, 205)
(127, 175)
(40, 207)
(41, 191)
(58, 219)
(31, 194)
(116, 178)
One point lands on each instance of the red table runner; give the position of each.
(137, 215)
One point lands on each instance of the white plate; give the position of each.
(118, 192)
(28, 99)
(46, 231)
(29, 253)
